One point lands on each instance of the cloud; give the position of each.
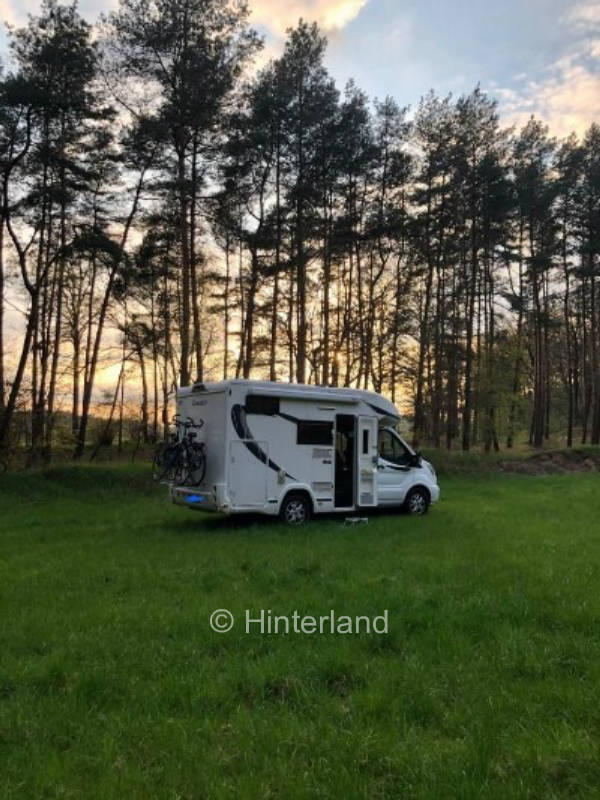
(15, 11)
(331, 15)
(582, 15)
(569, 102)
(567, 98)
(276, 16)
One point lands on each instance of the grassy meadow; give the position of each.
(112, 684)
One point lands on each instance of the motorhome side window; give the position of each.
(392, 449)
(310, 432)
(261, 404)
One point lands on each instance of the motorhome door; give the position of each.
(367, 461)
(248, 469)
(345, 460)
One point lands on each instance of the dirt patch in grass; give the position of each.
(551, 462)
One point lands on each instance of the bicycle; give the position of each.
(181, 460)
(166, 457)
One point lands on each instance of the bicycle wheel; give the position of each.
(196, 464)
(178, 471)
(159, 461)
(174, 466)
(166, 462)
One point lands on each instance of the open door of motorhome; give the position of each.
(367, 461)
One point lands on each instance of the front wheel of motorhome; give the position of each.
(417, 501)
(295, 509)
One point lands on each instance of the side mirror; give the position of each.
(416, 460)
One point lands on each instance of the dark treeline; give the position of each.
(233, 223)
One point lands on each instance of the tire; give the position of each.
(417, 501)
(295, 509)
(196, 466)
(159, 464)
(179, 469)
(164, 466)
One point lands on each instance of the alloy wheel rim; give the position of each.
(295, 512)
(417, 503)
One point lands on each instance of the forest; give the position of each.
(176, 208)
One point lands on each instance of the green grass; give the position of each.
(113, 686)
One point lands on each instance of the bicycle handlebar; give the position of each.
(188, 423)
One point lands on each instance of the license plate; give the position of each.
(194, 499)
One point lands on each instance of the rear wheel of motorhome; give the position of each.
(295, 509)
(417, 501)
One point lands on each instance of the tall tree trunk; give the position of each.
(226, 310)
(194, 266)
(595, 434)
(240, 359)
(121, 400)
(11, 403)
(166, 357)
(154, 367)
(89, 383)
(419, 416)
(539, 360)
(32, 290)
(468, 401)
(290, 329)
(301, 261)
(248, 335)
(185, 268)
(567, 322)
(43, 316)
(301, 328)
(144, 406)
(106, 430)
(516, 384)
(75, 395)
(326, 291)
(59, 313)
(275, 300)
(1, 312)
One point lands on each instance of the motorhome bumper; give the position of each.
(194, 498)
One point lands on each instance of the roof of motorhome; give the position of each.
(301, 391)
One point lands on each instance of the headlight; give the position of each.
(431, 470)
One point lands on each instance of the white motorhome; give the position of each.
(294, 450)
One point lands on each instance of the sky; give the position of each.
(535, 56)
